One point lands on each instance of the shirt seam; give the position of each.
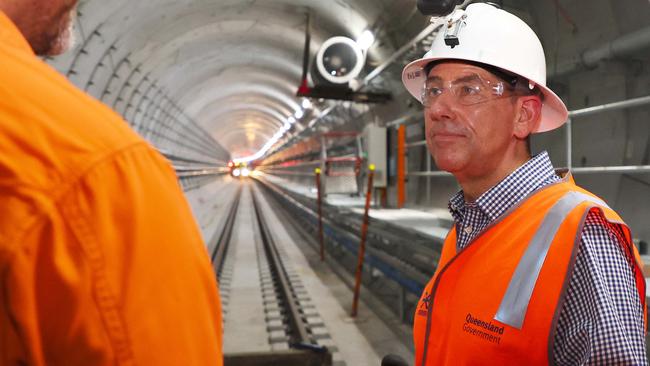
(105, 300)
(55, 195)
(12, 318)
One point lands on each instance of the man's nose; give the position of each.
(441, 108)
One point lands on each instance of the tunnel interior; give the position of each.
(210, 81)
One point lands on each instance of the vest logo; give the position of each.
(482, 329)
(423, 306)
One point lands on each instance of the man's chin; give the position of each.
(449, 165)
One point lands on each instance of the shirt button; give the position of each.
(469, 229)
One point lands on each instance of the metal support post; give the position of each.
(401, 166)
(320, 216)
(323, 160)
(569, 146)
(362, 244)
(428, 177)
(402, 304)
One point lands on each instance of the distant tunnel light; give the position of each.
(262, 151)
(291, 120)
(299, 113)
(366, 39)
(306, 104)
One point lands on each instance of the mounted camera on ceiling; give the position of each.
(339, 61)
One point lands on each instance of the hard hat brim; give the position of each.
(554, 111)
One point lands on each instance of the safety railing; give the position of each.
(428, 173)
(612, 169)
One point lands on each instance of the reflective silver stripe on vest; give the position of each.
(515, 301)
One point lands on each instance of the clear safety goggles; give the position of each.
(466, 91)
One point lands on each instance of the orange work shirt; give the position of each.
(497, 301)
(101, 262)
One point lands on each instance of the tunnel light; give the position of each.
(299, 113)
(291, 120)
(278, 135)
(286, 126)
(366, 39)
(306, 103)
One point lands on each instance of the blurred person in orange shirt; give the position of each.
(101, 261)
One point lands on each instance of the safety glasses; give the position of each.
(467, 90)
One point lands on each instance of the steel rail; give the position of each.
(299, 336)
(223, 241)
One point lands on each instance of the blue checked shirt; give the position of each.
(601, 321)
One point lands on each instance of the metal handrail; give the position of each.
(634, 102)
(416, 143)
(435, 173)
(612, 169)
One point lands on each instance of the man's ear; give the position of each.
(528, 117)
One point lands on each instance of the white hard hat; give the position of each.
(485, 34)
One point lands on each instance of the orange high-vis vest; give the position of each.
(101, 262)
(497, 301)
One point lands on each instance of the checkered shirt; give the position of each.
(601, 321)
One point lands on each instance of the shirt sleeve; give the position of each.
(601, 321)
(112, 271)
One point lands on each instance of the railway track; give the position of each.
(296, 333)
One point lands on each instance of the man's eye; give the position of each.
(434, 92)
(469, 90)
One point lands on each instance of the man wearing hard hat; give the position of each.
(536, 270)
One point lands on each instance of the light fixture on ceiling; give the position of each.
(299, 113)
(291, 120)
(366, 39)
(306, 104)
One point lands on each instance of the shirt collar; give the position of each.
(516, 186)
(457, 206)
(10, 35)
